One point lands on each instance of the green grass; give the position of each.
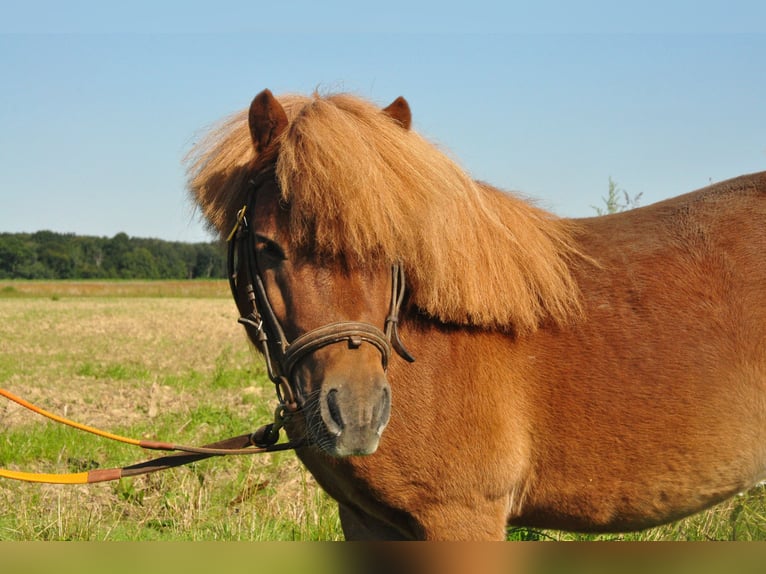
(114, 371)
(143, 365)
(268, 497)
(178, 368)
(9, 291)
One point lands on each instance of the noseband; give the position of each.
(282, 356)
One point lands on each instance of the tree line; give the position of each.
(51, 255)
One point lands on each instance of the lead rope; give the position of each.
(239, 445)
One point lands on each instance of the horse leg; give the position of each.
(360, 526)
(480, 520)
(475, 520)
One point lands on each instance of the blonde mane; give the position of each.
(361, 187)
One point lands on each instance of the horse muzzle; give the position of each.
(353, 416)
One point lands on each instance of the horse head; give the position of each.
(326, 326)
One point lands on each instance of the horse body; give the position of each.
(651, 409)
(645, 404)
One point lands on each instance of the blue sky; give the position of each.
(100, 101)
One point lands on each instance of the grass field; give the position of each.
(166, 360)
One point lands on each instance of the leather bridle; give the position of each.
(282, 356)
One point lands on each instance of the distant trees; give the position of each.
(50, 255)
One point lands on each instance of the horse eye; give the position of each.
(269, 248)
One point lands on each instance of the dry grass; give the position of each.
(57, 289)
(67, 352)
(152, 360)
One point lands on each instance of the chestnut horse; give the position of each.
(600, 374)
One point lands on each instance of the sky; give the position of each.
(101, 101)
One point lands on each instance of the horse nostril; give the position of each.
(383, 409)
(334, 409)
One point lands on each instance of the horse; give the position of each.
(602, 374)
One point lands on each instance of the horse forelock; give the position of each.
(363, 189)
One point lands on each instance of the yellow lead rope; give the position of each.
(78, 478)
(244, 444)
(62, 420)
(74, 478)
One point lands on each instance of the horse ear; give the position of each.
(399, 110)
(267, 120)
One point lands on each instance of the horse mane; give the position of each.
(362, 188)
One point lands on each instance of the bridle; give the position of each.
(282, 356)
